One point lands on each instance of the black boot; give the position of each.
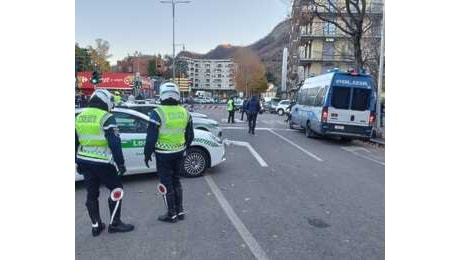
(117, 225)
(93, 211)
(179, 208)
(171, 215)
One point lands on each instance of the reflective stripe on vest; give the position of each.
(171, 137)
(93, 144)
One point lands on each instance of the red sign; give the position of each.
(110, 80)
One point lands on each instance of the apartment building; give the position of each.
(212, 75)
(316, 46)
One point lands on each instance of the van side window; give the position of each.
(341, 97)
(311, 96)
(320, 97)
(303, 97)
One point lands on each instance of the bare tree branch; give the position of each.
(347, 5)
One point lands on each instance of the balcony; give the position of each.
(303, 61)
(375, 8)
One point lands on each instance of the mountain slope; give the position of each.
(269, 49)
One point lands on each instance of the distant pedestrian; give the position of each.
(252, 108)
(243, 109)
(231, 110)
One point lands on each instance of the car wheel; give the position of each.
(195, 163)
(280, 112)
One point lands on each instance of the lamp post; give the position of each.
(173, 4)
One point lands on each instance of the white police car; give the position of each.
(200, 121)
(206, 150)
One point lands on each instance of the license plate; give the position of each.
(340, 127)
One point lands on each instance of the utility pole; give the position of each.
(173, 4)
(379, 84)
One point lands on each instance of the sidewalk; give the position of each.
(380, 137)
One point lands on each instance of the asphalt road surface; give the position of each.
(279, 195)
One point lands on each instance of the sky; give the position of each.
(201, 25)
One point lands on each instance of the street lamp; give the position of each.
(173, 4)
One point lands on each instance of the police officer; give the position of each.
(97, 150)
(169, 134)
(231, 110)
(117, 98)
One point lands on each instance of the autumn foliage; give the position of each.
(249, 74)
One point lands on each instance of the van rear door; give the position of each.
(338, 112)
(359, 108)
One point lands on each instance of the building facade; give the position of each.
(211, 75)
(316, 46)
(133, 64)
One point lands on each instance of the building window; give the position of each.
(329, 28)
(303, 30)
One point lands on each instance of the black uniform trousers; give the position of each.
(95, 174)
(168, 169)
(231, 116)
(252, 118)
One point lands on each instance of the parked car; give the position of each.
(207, 150)
(271, 105)
(199, 122)
(238, 103)
(199, 100)
(281, 108)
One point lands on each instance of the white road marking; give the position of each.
(255, 248)
(225, 120)
(257, 128)
(297, 146)
(250, 148)
(354, 150)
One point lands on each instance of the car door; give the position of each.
(133, 131)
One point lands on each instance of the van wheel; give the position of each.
(291, 125)
(346, 139)
(308, 132)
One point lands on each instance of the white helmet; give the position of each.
(105, 96)
(169, 90)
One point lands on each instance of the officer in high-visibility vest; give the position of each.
(231, 110)
(117, 98)
(169, 134)
(99, 159)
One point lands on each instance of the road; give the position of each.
(281, 195)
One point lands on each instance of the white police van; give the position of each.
(336, 104)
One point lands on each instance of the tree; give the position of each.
(152, 67)
(250, 72)
(83, 60)
(100, 55)
(351, 17)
